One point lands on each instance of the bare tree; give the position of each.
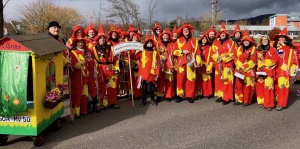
(125, 10)
(216, 8)
(151, 11)
(37, 14)
(2, 6)
(98, 13)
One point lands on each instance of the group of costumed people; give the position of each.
(174, 65)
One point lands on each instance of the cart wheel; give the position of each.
(3, 139)
(38, 140)
(56, 125)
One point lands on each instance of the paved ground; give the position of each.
(204, 124)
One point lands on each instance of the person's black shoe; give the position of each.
(168, 99)
(219, 99)
(143, 103)
(158, 99)
(190, 100)
(96, 109)
(179, 99)
(115, 106)
(269, 109)
(237, 103)
(225, 102)
(90, 110)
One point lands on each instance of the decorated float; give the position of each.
(31, 83)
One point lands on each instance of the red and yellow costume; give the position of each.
(186, 62)
(267, 59)
(205, 72)
(223, 51)
(91, 39)
(246, 58)
(165, 81)
(79, 80)
(287, 66)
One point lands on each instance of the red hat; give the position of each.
(114, 29)
(166, 31)
(75, 29)
(131, 29)
(247, 37)
(236, 29)
(75, 40)
(101, 33)
(90, 27)
(175, 30)
(212, 29)
(284, 33)
(223, 29)
(156, 25)
(203, 35)
(189, 26)
(148, 38)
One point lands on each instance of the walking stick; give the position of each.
(130, 76)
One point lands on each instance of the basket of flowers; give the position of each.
(54, 97)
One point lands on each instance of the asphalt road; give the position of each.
(204, 124)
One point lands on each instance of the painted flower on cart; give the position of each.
(16, 101)
(17, 68)
(6, 97)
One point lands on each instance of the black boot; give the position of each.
(153, 101)
(190, 100)
(219, 99)
(168, 99)
(143, 103)
(179, 99)
(90, 110)
(95, 107)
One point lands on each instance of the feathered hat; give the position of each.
(237, 29)
(284, 33)
(247, 37)
(90, 27)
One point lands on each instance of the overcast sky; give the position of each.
(235, 9)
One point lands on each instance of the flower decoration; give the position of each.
(6, 97)
(56, 93)
(62, 87)
(17, 68)
(16, 101)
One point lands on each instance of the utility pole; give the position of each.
(212, 12)
(1, 20)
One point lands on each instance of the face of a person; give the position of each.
(158, 31)
(237, 35)
(281, 40)
(211, 35)
(149, 44)
(54, 30)
(134, 38)
(114, 35)
(246, 43)
(186, 31)
(175, 36)
(165, 37)
(91, 33)
(130, 34)
(264, 41)
(204, 40)
(79, 33)
(88, 55)
(80, 44)
(101, 40)
(222, 35)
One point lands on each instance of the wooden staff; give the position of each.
(70, 93)
(130, 75)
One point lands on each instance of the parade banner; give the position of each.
(124, 46)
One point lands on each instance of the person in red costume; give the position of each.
(245, 69)
(188, 58)
(78, 77)
(286, 68)
(174, 34)
(90, 33)
(205, 71)
(93, 88)
(223, 52)
(149, 65)
(156, 29)
(99, 53)
(267, 59)
(237, 35)
(111, 65)
(165, 82)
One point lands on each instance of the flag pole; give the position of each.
(130, 75)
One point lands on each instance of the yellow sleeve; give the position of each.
(293, 70)
(227, 58)
(78, 65)
(249, 65)
(268, 63)
(198, 60)
(209, 67)
(177, 53)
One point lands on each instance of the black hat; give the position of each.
(54, 23)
